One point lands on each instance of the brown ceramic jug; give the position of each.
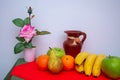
(73, 44)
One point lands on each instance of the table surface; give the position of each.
(18, 62)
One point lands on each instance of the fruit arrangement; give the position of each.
(94, 64)
(85, 63)
(55, 61)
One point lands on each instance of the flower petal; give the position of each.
(27, 32)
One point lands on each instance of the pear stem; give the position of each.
(50, 48)
(109, 55)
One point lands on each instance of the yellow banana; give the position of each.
(80, 68)
(88, 65)
(81, 57)
(97, 65)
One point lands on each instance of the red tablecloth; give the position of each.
(29, 71)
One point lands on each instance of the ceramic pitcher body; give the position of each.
(73, 44)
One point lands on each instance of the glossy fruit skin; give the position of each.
(80, 57)
(111, 67)
(55, 64)
(89, 62)
(59, 52)
(68, 62)
(96, 71)
(42, 62)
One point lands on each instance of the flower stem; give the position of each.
(29, 19)
(30, 12)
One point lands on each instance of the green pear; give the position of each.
(55, 64)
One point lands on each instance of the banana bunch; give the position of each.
(89, 63)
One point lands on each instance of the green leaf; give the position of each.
(28, 45)
(19, 47)
(18, 22)
(42, 32)
(27, 21)
(20, 39)
(16, 78)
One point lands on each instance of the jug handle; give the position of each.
(84, 37)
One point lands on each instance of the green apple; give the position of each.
(111, 66)
(59, 52)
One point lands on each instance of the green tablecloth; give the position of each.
(18, 62)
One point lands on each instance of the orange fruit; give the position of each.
(68, 62)
(42, 62)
